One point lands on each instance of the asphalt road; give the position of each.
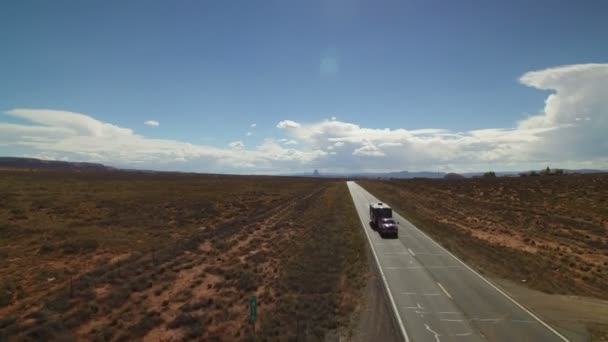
(438, 298)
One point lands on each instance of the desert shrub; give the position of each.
(150, 320)
(489, 174)
(46, 332)
(102, 334)
(194, 331)
(60, 303)
(79, 246)
(181, 320)
(3, 254)
(200, 304)
(246, 281)
(118, 296)
(7, 321)
(46, 248)
(7, 293)
(80, 316)
(40, 316)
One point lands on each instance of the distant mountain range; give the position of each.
(422, 174)
(32, 163)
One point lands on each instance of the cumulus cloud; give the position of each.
(368, 150)
(64, 135)
(576, 113)
(288, 124)
(253, 125)
(236, 145)
(570, 131)
(152, 123)
(249, 134)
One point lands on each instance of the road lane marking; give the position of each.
(412, 227)
(411, 252)
(418, 267)
(386, 287)
(420, 294)
(433, 254)
(487, 319)
(394, 254)
(444, 290)
(433, 332)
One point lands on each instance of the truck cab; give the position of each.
(381, 219)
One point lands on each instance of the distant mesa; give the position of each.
(33, 163)
(453, 176)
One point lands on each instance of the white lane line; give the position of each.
(420, 294)
(497, 289)
(418, 306)
(431, 312)
(411, 252)
(523, 321)
(487, 281)
(451, 320)
(418, 267)
(444, 290)
(487, 319)
(464, 334)
(433, 332)
(433, 254)
(390, 295)
(394, 254)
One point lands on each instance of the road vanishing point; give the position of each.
(436, 297)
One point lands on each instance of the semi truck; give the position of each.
(381, 219)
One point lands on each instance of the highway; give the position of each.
(436, 297)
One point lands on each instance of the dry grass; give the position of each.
(543, 233)
(163, 256)
(551, 231)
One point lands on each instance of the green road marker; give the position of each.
(253, 308)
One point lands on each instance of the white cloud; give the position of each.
(368, 150)
(288, 124)
(236, 145)
(553, 136)
(249, 134)
(390, 144)
(333, 118)
(576, 113)
(253, 125)
(152, 123)
(570, 131)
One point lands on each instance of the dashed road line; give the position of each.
(444, 290)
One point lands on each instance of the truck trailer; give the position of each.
(381, 219)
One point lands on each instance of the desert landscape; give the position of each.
(545, 233)
(117, 256)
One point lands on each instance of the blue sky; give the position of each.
(207, 70)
